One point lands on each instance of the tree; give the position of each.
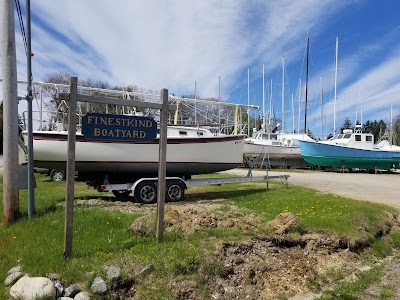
(58, 109)
(376, 128)
(346, 125)
(396, 130)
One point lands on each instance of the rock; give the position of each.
(98, 286)
(146, 270)
(15, 269)
(65, 298)
(53, 277)
(113, 272)
(82, 296)
(12, 278)
(33, 288)
(59, 287)
(283, 222)
(72, 290)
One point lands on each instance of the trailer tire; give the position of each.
(57, 175)
(175, 191)
(146, 192)
(121, 194)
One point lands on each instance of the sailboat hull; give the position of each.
(185, 156)
(276, 156)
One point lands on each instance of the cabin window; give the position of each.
(340, 136)
(265, 136)
(273, 137)
(182, 132)
(347, 136)
(358, 138)
(199, 133)
(368, 138)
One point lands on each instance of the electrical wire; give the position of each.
(21, 24)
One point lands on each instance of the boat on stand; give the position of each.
(351, 149)
(190, 151)
(276, 149)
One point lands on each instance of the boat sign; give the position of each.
(109, 127)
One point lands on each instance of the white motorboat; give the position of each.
(276, 149)
(352, 150)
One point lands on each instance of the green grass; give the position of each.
(102, 236)
(351, 290)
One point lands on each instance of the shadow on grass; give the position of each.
(42, 211)
(189, 197)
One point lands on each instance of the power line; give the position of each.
(21, 24)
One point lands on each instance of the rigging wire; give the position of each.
(21, 24)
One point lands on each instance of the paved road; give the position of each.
(380, 188)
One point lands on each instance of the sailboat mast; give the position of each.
(263, 91)
(292, 113)
(270, 104)
(283, 94)
(248, 102)
(298, 118)
(322, 107)
(336, 70)
(305, 109)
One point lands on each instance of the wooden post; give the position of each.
(10, 114)
(69, 201)
(162, 168)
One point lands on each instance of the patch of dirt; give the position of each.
(278, 266)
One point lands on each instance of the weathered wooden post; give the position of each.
(69, 201)
(162, 168)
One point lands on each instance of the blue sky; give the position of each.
(173, 44)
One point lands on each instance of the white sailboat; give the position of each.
(272, 148)
(190, 151)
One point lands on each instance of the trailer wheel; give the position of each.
(121, 194)
(146, 192)
(57, 175)
(175, 191)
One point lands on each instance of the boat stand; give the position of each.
(377, 170)
(343, 169)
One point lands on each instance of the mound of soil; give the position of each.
(278, 266)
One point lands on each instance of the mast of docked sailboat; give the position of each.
(283, 94)
(292, 113)
(248, 102)
(263, 96)
(322, 107)
(305, 108)
(336, 69)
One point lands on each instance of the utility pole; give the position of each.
(10, 115)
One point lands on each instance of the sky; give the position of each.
(219, 49)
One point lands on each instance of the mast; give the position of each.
(298, 119)
(292, 113)
(248, 102)
(283, 94)
(336, 69)
(270, 105)
(322, 107)
(263, 95)
(391, 126)
(305, 109)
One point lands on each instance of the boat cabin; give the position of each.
(348, 138)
